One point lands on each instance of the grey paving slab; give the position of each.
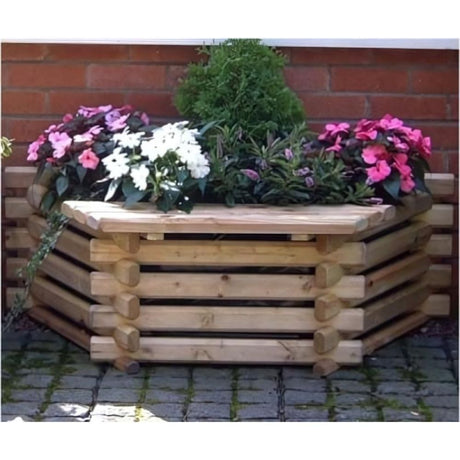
(423, 341)
(392, 363)
(164, 410)
(208, 410)
(402, 415)
(450, 402)
(356, 414)
(72, 396)
(169, 383)
(261, 384)
(46, 370)
(165, 396)
(45, 346)
(254, 411)
(258, 396)
(306, 414)
(292, 397)
(73, 381)
(350, 386)
(83, 370)
(125, 382)
(34, 381)
(389, 387)
(298, 372)
(113, 419)
(21, 408)
(436, 375)
(390, 351)
(169, 371)
(206, 396)
(256, 373)
(352, 399)
(430, 363)
(444, 415)
(347, 374)
(66, 410)
(35, 395)
(426, 353)
(65, 419)
(16, 418)
(391, 374)
(397, 400)
(438, 389)
(107, 409)
(296, 383)
(203, 383)
(213, 372)
(118, 395)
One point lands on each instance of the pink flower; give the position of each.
(407, 184)
(365, 130)
(67, 117)
(145, 119)
(288, 154)
(331, 130)
(33, 148)
(379, 172)
(53, 128)
(399, 145)
(336, 147)
(425, 147)
(373, 153)
(90, 111)
(60, 143)
(116, 124)
(251, 174)
(85, 137)
(388, 122)
(126, 109)
(88, 159)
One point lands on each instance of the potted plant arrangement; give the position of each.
(244, 144)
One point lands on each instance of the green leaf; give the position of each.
(134, 198)
(185, 205)
(392, 184)
(62, 184)
(202, 185)
(81, 173)
(229, 199)
(48, 201)
(113, 187)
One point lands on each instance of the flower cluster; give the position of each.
(390, 153)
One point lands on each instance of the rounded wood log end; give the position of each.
(126, 364)
(35, 194)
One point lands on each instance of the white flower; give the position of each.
(127, 139)
(198, 166)
(116, 164)
(139, 176)
(152, 149)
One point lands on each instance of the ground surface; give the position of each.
(46, 378)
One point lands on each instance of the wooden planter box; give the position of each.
(313, 285)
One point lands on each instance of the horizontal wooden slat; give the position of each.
(440, 215)
(440, 275)
(11, 294)
(17, 208)
(440, 184)
(228, 253)
(437, 305)
(18, 176)
(226, 286)
(18, 238)
(13, 265)
(207, 350)
(440, 246)
(225, 319)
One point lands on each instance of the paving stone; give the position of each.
(256, 373)
(121, 383)
(374, 361)
(355, 414)
(442, 401)
(353, 399)
(389, 387)
(259, 420)
(78, 358)
(397, 401)
(390, 351)
(212, 396)
(73, 348)
(21, 408)
(391, 374)
(347, 374)
(426, 353)
(299, 372)
(402, 415)
(37, 371)
(444, 415)
(40, 359)
(35, 395)
(265, 384)
(213, 372)
(84, 370)
(70, 381)
(253, 411)
(113, 418)
(66, 410)
(421, 341)
(72, 396)
(113, 373)
(349, 386)
(306, 414)
(436, 375)
(65, 419)
(208, 410)
(105, 409)
(13, 343)
(168, 383)
(164, 396)
(303, 420)
(194, 419)
(45, 336)
(258, 396)
(45, 346)
(16, 418)
(165, 410)
(455, 369)
(212, 384)
(293, 397)
(119, 395)
(429, 363)
(305, 384)
(437, 389)
(172, 371)
(35, 381)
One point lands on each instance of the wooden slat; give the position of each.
(228, 253)
(207, 350)
(440, 184)
(11, 294)
(18, 176)
(437, 305)
(17, 208)
(226, 286)
(225, 319)
(392, 332)
(440, 216)
(440, 246)
(65, 328)
(61, 300)
(440, 275)
(13, 265)
(389, 246)
(18, 238)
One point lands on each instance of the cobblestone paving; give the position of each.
(46, 378)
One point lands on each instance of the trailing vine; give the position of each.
(57, 223)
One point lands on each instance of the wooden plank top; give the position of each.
(211, 218)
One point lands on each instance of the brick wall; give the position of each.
(41, 82)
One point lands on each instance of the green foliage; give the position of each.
(6, 147)
(241, 85)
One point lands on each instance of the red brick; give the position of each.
(165, 54)
(438, 163)
(155, 104)
(409, 107)
(306, 78)
(174, 74)
(453, 107)
(286, 52)
(435, 81)
(453, 163)
(61, 102)
(44, 75)
(134, 76)
(18, 157)
(369, 79)
(330, 56)
(410, 57)
(25, 129)
(23, 51)
(333, 106)
(443, 136)
(23, 102)
(70, 52)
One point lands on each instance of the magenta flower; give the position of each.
(407, 184)
(373, 153)
(332, 130)
(379, 172)
(388, 122)
(288, 154)
(399, 145)
(425, 147)
(336, 147)
(88, 159)
(90, 111)
(118, 123)
(67, 117)
(145, 119)
(60, 143)
(33, 148)
(253, 175)
(365, 130)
